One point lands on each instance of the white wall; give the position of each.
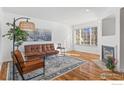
(1, 18)
(60, 34)
(109, 40)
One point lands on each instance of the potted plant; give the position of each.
(20, 36)
(111, 63)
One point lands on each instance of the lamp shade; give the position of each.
(27, 26)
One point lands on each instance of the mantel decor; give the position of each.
(111, 63)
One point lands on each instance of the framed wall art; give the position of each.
(40, 35)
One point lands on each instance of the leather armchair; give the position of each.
(25, 67)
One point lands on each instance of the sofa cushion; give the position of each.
(28, 65)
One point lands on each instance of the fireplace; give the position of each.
(107, 51)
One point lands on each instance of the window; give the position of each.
(86, 36)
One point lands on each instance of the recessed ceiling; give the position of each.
(57, 14)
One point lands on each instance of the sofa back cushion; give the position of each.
(27, 48)
(32, 48)
(41, 48)
(44, 47)
(48, 47)
(35, 48)
(52, 47)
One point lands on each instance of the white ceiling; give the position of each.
(57, 14)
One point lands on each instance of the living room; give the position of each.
(85, 35)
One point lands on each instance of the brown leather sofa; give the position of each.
(39, 50)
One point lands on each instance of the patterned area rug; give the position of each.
(54, 67)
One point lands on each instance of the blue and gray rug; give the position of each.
(54, 67)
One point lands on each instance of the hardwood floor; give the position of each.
(3, 71)
(83, 55)
(87, 71)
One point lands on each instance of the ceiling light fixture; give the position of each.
(87, 10)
